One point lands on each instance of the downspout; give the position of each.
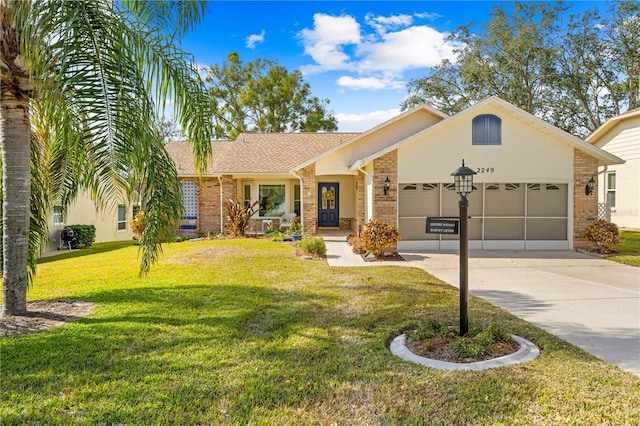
(293, 172)
(221, 206)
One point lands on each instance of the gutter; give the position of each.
(358, 165)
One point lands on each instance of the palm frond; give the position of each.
(96, 70)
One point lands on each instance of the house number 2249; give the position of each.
(485, 170)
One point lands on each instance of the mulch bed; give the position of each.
(386, 257)
(439, 348)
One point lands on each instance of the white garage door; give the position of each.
(502, 215)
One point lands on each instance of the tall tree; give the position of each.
(574, 73)
(262, 96)
(77, 85)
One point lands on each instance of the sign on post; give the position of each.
(442, 225)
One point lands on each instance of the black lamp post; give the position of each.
(463, 178)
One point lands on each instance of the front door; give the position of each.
(328, 204)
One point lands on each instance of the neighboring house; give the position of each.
(529, 188)
(619, 184)
(111, 224)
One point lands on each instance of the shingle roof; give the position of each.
(257, 152)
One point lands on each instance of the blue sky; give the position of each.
(358, 54)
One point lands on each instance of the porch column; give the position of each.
(229, 192)
(309, 200)
(585, 207)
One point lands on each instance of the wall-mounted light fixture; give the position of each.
(387, 185)
(588, 189)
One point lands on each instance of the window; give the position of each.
(296, 199)
(247, 196)
(135, 210)
(429, 186)
(190, 199)
(190, 203)
(611, 188)
(122, 217)
(486, 130)
(272, 200)
(58, 217)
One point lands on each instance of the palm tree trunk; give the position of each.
(16, 187)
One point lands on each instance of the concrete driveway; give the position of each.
(590, 302)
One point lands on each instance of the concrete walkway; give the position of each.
(590, 302)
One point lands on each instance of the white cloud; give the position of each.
(370, 83)
(382, 24)
(427, 15)
(253, 39)
(326, 41)
(364, 122)
(339, 43)
(413, 47)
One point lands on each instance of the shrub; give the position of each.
(430, 328)
(356, 244)
(603, 234)
(313, 245)
(138, 223)
(468, 348)
(238, 215)
(83, 235)
(377, 235)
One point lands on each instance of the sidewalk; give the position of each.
(590, 302)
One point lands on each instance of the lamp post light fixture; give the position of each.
(387, 185)
(588, 189)
(463, 180)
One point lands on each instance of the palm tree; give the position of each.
(77, 83)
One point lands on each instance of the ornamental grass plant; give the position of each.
(242, 331)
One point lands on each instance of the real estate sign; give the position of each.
(442, 225)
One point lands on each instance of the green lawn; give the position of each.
(243, 332)
(629, 248)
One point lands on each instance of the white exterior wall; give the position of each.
(623, 141)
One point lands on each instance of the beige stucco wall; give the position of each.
(340, 161)
(84, 212)
(526, 154)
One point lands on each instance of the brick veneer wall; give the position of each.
(385, 207)
(209, 206)
(309, 200)
(585, 207)
(229, 192)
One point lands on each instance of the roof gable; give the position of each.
(370, 134)
(611, 123)
(602, 156)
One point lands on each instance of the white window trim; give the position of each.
(286, 198)
(57, 215)
(118, 221)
